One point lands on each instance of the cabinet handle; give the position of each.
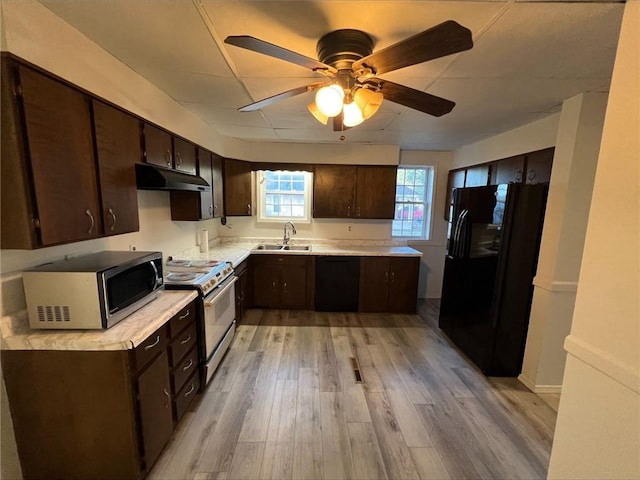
(531, 174)
(193, 387)
(166, 405)
(519, 175)
(358, 210)
(91, 219)
(386, 277)
(210, 209)
(149, 347)
(285, 286)
(167, 157)
(186, 340)
(178, 160)
(215, 208)
(182, 317)
(249, 208)
(113, 218)
(393, 277)
(348, 210)
(188, 365)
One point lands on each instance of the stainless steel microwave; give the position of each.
(93, 291)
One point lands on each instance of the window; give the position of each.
(414, 190)
(284, 195)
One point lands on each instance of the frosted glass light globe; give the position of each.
(329, 100)
(352, 115)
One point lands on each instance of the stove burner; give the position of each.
(182, 276)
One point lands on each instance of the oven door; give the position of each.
(219, 317)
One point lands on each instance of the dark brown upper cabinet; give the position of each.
(539, 165)
(195, 206)
(117, 136)
(217, 185)
(508, 170)
(455, 180)
(165, 150)
(237, 188)
(347, 191)
(49, 182)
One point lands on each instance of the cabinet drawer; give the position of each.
(183, 318)
(151, 347)
(182, 344)
(185, 370)
(184, 398)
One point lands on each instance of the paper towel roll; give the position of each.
(204, 241)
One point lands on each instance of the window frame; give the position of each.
(429, 187)
(261, 193)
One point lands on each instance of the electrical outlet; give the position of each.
(349, 228)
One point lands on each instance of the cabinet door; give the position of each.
(477, 176)
(456, 180)
(265, 284)
(539, 166)
(118, 149)
(155, 408)
(58, 130)
(157, 146)
(403, 285)
(237, 187)
(374, 284)
(205, 171)
(508, 170)
(184, 156)
(334, 191)
(217, 185)
(376, 192)
(293, 286)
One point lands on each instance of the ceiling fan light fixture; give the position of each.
(329, 100)
(352, 115)
(315, 111)
(368, 101)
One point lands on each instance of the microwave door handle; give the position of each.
(158, 280)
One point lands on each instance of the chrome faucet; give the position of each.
(287, 236)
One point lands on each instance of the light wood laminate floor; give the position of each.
(304, 395)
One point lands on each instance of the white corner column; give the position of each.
(565, 224)
(597, 432)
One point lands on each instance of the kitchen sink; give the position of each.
(280, 248)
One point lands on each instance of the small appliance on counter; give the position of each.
(215, 283)
(93, 291)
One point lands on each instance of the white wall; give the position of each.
(527, 138)
(555, 284)
(598, 428)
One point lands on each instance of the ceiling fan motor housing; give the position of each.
(341, 48)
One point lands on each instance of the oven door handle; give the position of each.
(218, 294)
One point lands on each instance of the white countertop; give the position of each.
(127, 334)
(236, 252)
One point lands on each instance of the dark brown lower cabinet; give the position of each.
(389, 284)
(282, 281)
(243, 292)
(101, 414)
(154, 400)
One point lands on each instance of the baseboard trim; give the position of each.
(527, 382)
(603, 362)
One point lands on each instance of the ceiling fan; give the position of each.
(353, 91)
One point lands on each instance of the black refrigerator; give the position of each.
(491, 260)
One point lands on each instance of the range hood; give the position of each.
(152, 177)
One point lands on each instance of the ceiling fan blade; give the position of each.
(409, 97)
(443, 39)
(260, 46)
(338, 125)
(265, 102)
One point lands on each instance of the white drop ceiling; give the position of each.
(528, 57)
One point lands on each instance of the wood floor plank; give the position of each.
(367, 459)
(282, 420)
(336, 448)
(277, 461)
(395, 453)
(429, 464)
(307, 460)
(355, 404)
(329, 380)
(247, 460)
(290, 359)
(411, 425)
